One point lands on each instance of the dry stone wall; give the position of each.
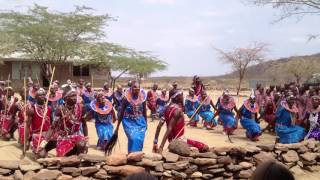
(180, 162)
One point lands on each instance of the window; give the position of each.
(81, 70)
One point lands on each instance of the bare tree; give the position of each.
(242, 58)
(300, 68)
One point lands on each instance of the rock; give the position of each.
(71, 171)
(227, 174)
(5, 171)
(300, 164)
(191, 169)
(196, 175)
(294, 146)
(234, 168)
(215, 171)
(101, 174)
(170, 157)
(221, 150)
(309, 163)
(178, 174)
(88, 171)
(6, 177)
(266, 147)
(13, 165)
(47, 175)
(205, 161)
(314, 168)
(81, 178)
(148, 163)
(30, 167)
(281, 147)
(64, 177)
(239, 151)
(18, 175)
(290, 156)
(309, 156)
(290, 165)
(48, 161)
(179, 147)
(178, 166)
(91, 158)
(29, 175)
(70, 161)
(246, 174)
(125, 170)
(156, 174)
(312, 144)
(246, 165)
(194, 150)
(252, 149)
(303, 149)
(167, 174)
(116, 160)
(183, 158)
(135, 156)
(207, 176)
(263, 157)
(153, 156)
(159, 167)
(224, 160)
(296, 170)
(205, 155)
(216, 166)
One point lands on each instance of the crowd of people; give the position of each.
(57, 118)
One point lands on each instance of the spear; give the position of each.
(45, 108)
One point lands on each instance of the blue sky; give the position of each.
(183, 32)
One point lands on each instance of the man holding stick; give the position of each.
(174, 118)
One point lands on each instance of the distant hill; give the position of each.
(272, 70)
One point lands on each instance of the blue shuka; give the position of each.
(226, 116)
(206, 114)
(103, 121)
(134, 123)
(161, 105)
(287, 132)
(248, 122)
(191, 105)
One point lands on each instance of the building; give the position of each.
(16, 69)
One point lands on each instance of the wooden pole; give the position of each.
(45, 108)
(24, 113)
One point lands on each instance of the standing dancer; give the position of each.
(162, 101)
(104, 115)
(205, 111)
(226, 105)
(248, 117)
(8, 114)
(134, 119)
(32, 92)
(117, 100)
(151, 101)
(108, 94)
(55, 98)
(191, 105)
(66, 127)
(174, 119)
(313, 119)
(88, 96)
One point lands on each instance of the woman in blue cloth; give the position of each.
(205, 111)
(226, 107)
(286, 117)
(248, 116)
(133, 116)
(191, 105)
(103, 113)
(161, 103)
(108, 94)
(88, 96)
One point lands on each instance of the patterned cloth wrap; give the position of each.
(226, 116)
(134, 122)
(178, 130)
(248, 122)
(191, 105)
(151, 101)
(287, 131)
(70, 135)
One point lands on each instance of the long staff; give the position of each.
(45, 108)
(25, 114)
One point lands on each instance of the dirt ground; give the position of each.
(214, 138)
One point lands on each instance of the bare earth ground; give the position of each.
(214, 138)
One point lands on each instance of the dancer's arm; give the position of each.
(156, 136)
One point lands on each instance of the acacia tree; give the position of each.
(56, 37)
(242, 58)
(300, 68)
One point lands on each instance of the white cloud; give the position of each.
(169, 2)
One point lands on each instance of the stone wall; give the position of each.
(181, 162)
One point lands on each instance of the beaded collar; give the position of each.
(192, 99)
(254, 109)
(106, 109)
(294, 108)
(141, 97)
(229, 106)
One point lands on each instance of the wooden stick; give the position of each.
(38, 79)
(45, 108)
(6, 98)
(25, 114)
(92, 81)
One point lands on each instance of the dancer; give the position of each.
(191, 105)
